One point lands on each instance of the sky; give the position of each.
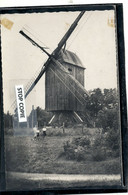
(94, 41)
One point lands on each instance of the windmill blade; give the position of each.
(44, 68)
(27, 86)
(55, 52)
(67, 35)
(33, 42)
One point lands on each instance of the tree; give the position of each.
(39, 115)
(43, 117)
(32, 118)
(95, 102)
(103, 107)
(8, 120)
(110, 98)
(108, 118)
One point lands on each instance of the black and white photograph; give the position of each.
(61, 99)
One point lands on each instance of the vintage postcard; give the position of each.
(61, 98)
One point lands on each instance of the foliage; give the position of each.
(32, 118)
(23, 154)
(81, 141)
(8, 120)
(43, 117)
(103, 108)
(110, 98)
(104, 145)
(99, 154)
(113, 141)
(39, 115)
(99, 100)
(108, 118)
(9, 131)
(77, 148)
(95, 102)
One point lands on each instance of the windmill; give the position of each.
(64, 84)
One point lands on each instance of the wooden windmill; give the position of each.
(64, 84)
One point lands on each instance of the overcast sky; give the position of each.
(94, 41)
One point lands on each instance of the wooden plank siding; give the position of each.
(58, 97)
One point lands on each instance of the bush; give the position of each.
(107, 144)
(113, 141)
(69, 150)
(99, 154)
(9, 131)
(81, 141)
(104, 146)
(108, 118)
(77, 148)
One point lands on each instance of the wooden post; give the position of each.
(63, 127)
(82, 128)
(27, 122)
(32, 115)
(18, 123)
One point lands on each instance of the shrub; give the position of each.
(9, 131)
(81, 141)
(77, 148)
(113, 141)
(108, 118)
(107, 144)
(69, 150)
(99, 154)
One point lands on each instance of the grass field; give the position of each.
(46, 155)
(26, 156)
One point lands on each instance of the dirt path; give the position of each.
(64, 177)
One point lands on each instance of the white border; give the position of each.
(17, 3)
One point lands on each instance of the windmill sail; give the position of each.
(55, 52)
(53, 63)
(34, 81)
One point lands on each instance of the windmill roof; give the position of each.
(70, 57)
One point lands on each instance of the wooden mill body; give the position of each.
(58, 97)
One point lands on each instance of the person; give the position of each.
(36, 132)
(44, 131)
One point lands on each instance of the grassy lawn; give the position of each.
(46, 155)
